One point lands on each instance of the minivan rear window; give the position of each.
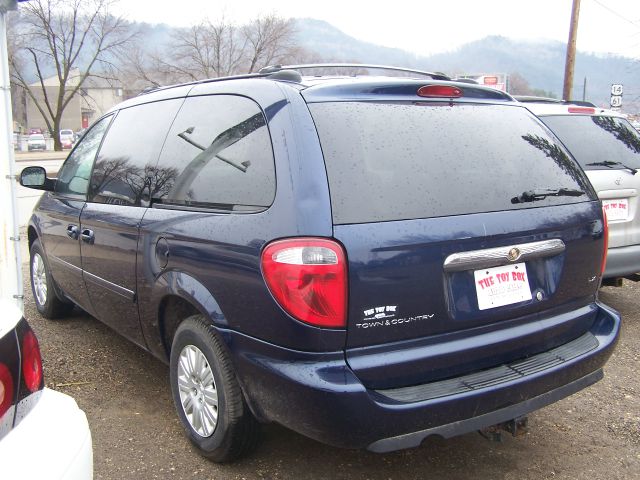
(400, 161)
(596, 139)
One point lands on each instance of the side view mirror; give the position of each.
(35, 177)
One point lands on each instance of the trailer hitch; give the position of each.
(516, 427)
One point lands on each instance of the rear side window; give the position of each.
(73, 178)
(399, 161)
(220, 156)
(125, 172)
(598, 141)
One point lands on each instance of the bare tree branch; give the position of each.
(270, 39)
(65, 36)
(214, 49)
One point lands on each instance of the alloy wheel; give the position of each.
(198, 393)
(39, 279)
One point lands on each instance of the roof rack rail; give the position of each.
(580, 103)
(152, 89)
(533, 99)
(277, 68)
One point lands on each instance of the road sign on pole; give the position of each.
(616, 96)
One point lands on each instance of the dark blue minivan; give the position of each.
(367, 260)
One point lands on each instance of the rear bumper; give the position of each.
(55, 433)
(318, 395)
(622, 261)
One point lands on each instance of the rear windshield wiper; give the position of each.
(611, 163)
(539, 194)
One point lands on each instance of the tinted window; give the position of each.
(218, 154)
(73, 178)
(391, 161)
(593, 140)
(125, 172)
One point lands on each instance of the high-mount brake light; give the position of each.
(31, 362)
(308, 279)
(606, 242)
(585, 110)
(6, 389)
(439, 91)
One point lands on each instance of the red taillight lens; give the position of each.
(6, 389)
(308, 279)
(585, 110)
(606, 241)
(439, 91)
(31, 362)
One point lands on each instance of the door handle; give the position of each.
(88, 236)
(73, 231)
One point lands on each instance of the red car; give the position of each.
(66, 138)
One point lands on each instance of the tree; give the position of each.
(518, 85)
(212, 49)
(202, 51)
(60, 38)
(269, 40)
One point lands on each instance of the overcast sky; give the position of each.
(426, 26)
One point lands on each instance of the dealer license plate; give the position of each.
(503, 285)
(616, 209)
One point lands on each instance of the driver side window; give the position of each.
(73, 178)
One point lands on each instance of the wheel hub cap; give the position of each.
(198, 393)
(39, 277)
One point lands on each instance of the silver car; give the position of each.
(608, 148)
(36, 141)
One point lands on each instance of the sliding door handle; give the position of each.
(87, 235)
(73, 231)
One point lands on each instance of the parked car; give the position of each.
(368, 261)
(36, 422)
(36, 141)
(35, 130)
(67, 137)
(608, 149)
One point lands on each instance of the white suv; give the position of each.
(608, 148)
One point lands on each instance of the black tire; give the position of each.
(236, 432)
(48, 303)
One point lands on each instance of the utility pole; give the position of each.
(571, 51)
(10, 260)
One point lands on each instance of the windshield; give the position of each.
(36, 137)
(598, 142)
(398, 161)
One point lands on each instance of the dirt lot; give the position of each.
(594, 434)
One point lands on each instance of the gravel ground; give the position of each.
(125, 393)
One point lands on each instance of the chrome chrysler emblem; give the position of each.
(513, 254)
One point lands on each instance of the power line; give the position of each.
(635, 24)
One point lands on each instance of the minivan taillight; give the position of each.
(6, 389)
(440, 91)
(583, 110)
(606, 242)
(308, 279)
(31, 362)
